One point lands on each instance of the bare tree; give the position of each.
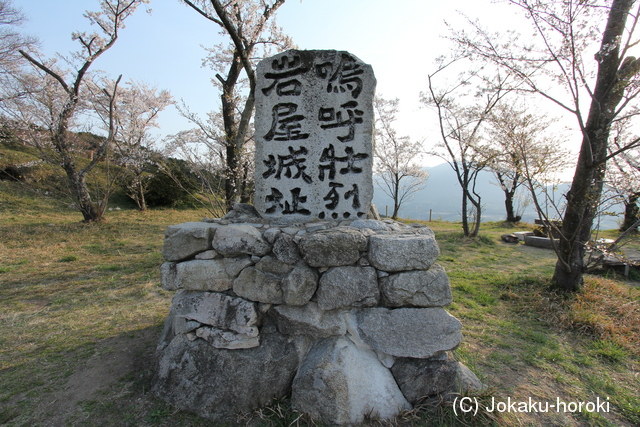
(252, 31)
(579, 56)
(53, 97)
(524, 153)
(461, 131)
(396, 171)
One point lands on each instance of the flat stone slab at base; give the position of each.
(538, 242)
(339, 384)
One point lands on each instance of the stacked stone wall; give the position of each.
(347, 318)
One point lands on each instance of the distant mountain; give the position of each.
(442, 199)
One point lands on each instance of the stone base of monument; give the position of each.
(345, 318)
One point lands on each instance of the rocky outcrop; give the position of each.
(345, 317)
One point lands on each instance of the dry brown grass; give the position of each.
(604, 309)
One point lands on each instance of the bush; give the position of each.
(171, 185)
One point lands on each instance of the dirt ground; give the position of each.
(118, 367)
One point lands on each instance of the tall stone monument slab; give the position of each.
(314, 126)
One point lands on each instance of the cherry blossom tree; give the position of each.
(253, 34)
(579, 59)
(396, 169)
(48, 99)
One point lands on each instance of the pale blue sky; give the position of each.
(400, 39)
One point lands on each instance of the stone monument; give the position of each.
(304, 296)
(314, 125)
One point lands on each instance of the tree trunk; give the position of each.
(586, 188)
(509, 194)
(396, 196)
(508, 203)
(142, 203)
(465, 218)
(229, 105)
(90, 212)
(631, 213)
(476, 225)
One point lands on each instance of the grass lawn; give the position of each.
(81, 310)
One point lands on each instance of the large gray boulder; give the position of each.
(332, 248)
(348, 287)
(238, 239)
(218, 384)
(183, 241)
(409, 332)
(418, 288)
(340, 384)
(402, 252)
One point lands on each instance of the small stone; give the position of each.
(441, 376)
(210, 254)
(233, 266)
(363, 262)
(372, 224)
(290, 230)
(240, 239)
(348, 287)
(202, 275)
(309, 320)
(332, 248)
(299, 286)
(373, 213)
(271, 234)
(226, 339)
(285, 249)
(271, 264)
(418, 288)
(168, 271)
(259, 286)
(510, 238)
(183, 241)
(402, 252)
(212, 313)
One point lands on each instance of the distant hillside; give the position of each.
(443, 196)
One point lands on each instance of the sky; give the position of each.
(400, 39)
